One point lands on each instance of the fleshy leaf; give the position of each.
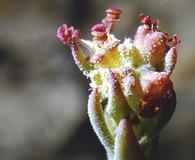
(170, 60)
(111, 124)
(96, 116)
(80, 59)
(126, 145)
(117, 104)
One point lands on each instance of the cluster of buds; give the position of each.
(133, 77)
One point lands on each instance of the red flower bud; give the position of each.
(145, 19)
(148, 21)
(99, 32)
(174, 40)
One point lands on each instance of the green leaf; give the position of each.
(118, 107)
(80, 59)
(96, 116)
(170, 60)
(126, 145)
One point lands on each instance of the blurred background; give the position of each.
(43, 95)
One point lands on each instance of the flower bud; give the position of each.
(140, 35)
(113, 15)
(145, 19)
(154, 26)
(156, 46)
(152, 45)
(156, 87)
(76, 34)
(99, 32)
(175, 41)
(68, 34)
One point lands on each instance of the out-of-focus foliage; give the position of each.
(43, 96)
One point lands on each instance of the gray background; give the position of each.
(43, 95)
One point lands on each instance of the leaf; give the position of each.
(170, 60)
(126, 146)
(96, 116)
(117, 104)
(80, 59)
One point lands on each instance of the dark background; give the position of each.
(43, 95)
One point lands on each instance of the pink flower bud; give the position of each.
(157, 89)
(155, 44)
(113, 15)
(154, 85)
(99, 32)
(67, 34)
(140, 35)
(76, 34)
(113, 11)
(152, 44)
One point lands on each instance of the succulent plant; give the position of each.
(133, 77)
